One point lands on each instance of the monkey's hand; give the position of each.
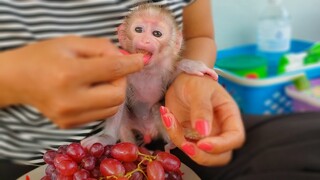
(196, 68)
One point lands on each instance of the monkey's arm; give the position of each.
(198, 32)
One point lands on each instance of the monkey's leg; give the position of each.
(196, 68)
(126, 132)
(110, 134)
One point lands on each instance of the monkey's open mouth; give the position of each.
(145, 52)
(147, 55)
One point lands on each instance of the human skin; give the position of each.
(71, 80)
(200, 102)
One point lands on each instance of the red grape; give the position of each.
(96, 172)
(49, 156)
(45, 178)
(62, 149)
(171, 175)
(144, 150)
(54, 175)
(62, 177)
(65, 165)
(75, 151)
(96, 150)
(110, 167)
(122, 178)
(155, 171)
(125, 151)
(168, 161)
(122, 161)
(81, 174)
(137, 176)
(107, 150)
(50, 169)
(129, 166)
(88, 162)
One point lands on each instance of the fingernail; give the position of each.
(188, 149)
(206, 146)
(124, 52)
(163, 110)
(202, 126)
(167, 121)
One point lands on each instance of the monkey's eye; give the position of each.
(138, 29)
(157, 33)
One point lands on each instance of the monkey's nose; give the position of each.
(146, 42)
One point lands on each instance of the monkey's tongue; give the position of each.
(146, 59)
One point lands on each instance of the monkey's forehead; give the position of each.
(149, 15)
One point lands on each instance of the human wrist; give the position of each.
(201, 49)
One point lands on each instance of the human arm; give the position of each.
(198, 32)
(71, 80)
(200, 102)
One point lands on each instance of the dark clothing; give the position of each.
(282, 147)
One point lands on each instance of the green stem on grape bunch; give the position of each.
(108, 177)
(147, 157)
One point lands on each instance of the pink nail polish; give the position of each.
(124, 52)
(202, 126)
(167, 121)
(189, 149)
(206, 147)
(163, 110)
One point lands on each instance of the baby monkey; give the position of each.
(152, 31)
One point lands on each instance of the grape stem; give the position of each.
(146, 157)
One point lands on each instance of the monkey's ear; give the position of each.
(121, 32)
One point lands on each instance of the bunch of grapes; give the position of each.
(122, 161)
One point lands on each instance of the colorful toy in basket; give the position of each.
(305, 99)
(294, 61)
(266, 95)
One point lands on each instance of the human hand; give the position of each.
(202, 104)
(71, 80)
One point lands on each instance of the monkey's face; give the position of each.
(149, 36)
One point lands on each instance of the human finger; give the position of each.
(103, 95)
(204, 158)
(110, 67)
(176, 134)
(174, 129)
(232, 131)
(201, 111)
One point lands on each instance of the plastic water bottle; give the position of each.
(273, 34)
